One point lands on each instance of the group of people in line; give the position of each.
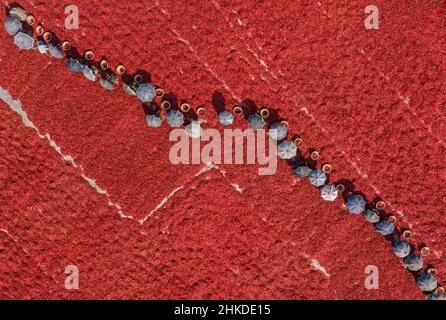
(19, 24)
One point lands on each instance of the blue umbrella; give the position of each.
(55, 51)
(385, 228)
(413, 262)
(401, 248)
(146, 92)
(225, 118)
(153, 120)
(426, 282)
(371, 216)
(286, 149)
(175, 118)
(89, 73)
(436, 296)
(317, 177)
(302, 171)
(329, 192)
(278, 131)
(356, 204)
(74, 65)
(13, 26)
(256, 121)
(107, 85)
(24, 41)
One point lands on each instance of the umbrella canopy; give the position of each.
(225, 118)
(42, 47)
(128, 89)
(329, 192)
(89, 74)
(413, 262)
(194, 129)
(436, 296)
(385, 228)
(19, 13)
(302, 171)
(278, 131)
(13, 26)
(426, 282)
(356, 204)
(55, 51)
(74, 65)
(107, 85)
(256, 121)
(371, 216)
(24, 41)
(317, 177)
(145, 92)
(286, 149)
(175, 118)
(153, 120)
(401, 248)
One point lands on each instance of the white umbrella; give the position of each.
(42, 47)
(225, 118)
(153, 120)
(107, 85)
(286, 149)
(413, 262)
(55, 51)
(401, 248)
(317, 177)
(194, 129)
(74, 65)
(24, 41)
(19, 13)
(302, 171)
(278, 131)
(146, 92)
(89, 74)
(13, 26)
(385, 228)
(256, 121)
(329, 192)
(426, 282)
(175, 118)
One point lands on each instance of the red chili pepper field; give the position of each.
(84, 181)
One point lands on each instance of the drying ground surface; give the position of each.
(85, 182)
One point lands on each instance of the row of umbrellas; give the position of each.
(146, 92)
(356, 204)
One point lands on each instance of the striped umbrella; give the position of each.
(286, 149)
(401, 248)
(413, 262)
(145, 92)
(317, 177)
(385, 228)
(175, 118)
(356, 204)
(329, 192)
(13, 26)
